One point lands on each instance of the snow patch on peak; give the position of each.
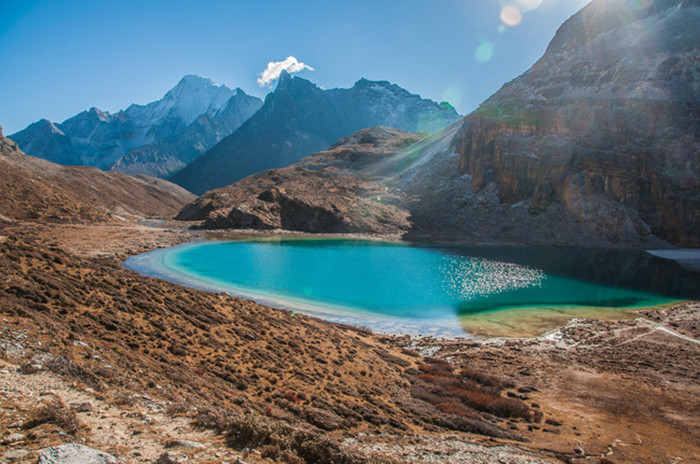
(192, 97)
(54, 129)
(101, 115)
(194, 79)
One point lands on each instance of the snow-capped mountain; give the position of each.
(190, 98)
(157, 139)
(299, 119)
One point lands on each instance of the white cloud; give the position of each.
(274, 68)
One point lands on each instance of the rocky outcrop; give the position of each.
(328, 192)
(610, 115)
(74, 454)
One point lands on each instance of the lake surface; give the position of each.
(435, 290)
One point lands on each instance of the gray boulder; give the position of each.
(74, 454)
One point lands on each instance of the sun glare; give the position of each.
(512, 11)
(511, 15)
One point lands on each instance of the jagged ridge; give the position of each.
(299, 119)
(154, 139)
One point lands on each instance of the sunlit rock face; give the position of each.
(333, 191)
(607, 121)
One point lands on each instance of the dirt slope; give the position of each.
(33, 189)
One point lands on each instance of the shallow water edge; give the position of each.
(527, 321)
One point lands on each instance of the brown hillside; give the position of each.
(256, 374)
(36, 189)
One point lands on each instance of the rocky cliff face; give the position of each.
(156, 139)
(299, 119)
(608, 119)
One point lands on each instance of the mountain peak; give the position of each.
(192, 83)
(284, 76)
(196, 81)
(44, 125)
(191, 97)
(99, 114)
(286, 82)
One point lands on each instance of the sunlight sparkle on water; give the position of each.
(470, 278)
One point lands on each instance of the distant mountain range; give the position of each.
(596, 145)
(156, 139)
(299, 119)
(165, 136)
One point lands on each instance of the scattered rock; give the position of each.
(15, 455)
(186, 444)
(528, 389)
(171, 458)
(82, 406)
(29, 368)
(74, 454)
(13, 438)
(165, 459)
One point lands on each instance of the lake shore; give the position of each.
(519, 321)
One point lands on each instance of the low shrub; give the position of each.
(438, 385)
(282, 442)
(55, 413)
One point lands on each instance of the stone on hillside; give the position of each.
(186, 444)
(13, 438)
(74, 454)
(171, 458)
(15, 455)
(82, 406)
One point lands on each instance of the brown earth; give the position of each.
(162, 362)
(625, 391)
(226, 363)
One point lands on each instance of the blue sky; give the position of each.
(63, 57)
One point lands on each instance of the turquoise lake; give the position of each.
(403, 288)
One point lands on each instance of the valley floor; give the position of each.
(604, 392)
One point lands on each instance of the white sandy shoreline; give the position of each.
(153, 264)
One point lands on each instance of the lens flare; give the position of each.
(484, 51)
(528, 5)
(453, 95)
(511, 15)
